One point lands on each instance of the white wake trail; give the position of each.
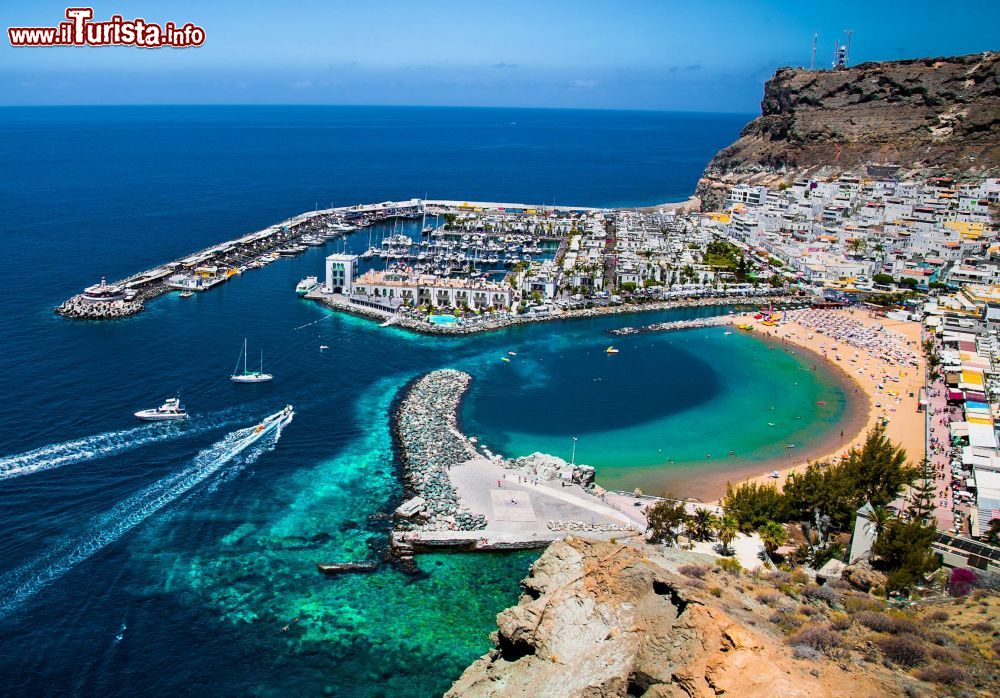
(22, 583)
(101, 446)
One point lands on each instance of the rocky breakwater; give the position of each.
(607, 619)
(543, 468)
(82, 309)
(927, 116)
(430, 443)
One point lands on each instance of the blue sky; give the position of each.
(710, 55)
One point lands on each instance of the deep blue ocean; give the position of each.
(144, 559)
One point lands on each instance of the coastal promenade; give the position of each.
(460, 498)
(415, 323)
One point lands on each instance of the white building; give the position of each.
(341, 270)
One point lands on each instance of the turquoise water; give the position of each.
(667, 408)
(140, 560)
(443, 319)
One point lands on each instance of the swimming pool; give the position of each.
(443, 320)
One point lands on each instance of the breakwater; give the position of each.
(675, 325)
(431, 444)
(215, 265)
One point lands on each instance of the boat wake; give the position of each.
(22, 583)
(110, 443)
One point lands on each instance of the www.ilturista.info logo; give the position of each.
(81, 31)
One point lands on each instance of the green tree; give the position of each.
(664, 519)
(702, 524)
(726, 530)
(992, 534)
(922, 495)
(753, 504)
(904, 553)
(773, 535)
(883, 279)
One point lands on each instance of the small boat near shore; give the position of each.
(610, 350)
(170, 410)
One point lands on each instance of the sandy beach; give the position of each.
(871, 371)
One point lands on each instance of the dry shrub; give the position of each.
(698, 571)
(799, 577)
(819, 637)
(779, 577)
(982, 626)
(942, 654)
(730, 565)
(824, 593)
(696, 583)
(785, 619)
(945, 674)
(840, 621)
(905, 650)
(853, 603)
(938, 616)
(884, 623)
(768, 598)
(715, 591)
(807, 610)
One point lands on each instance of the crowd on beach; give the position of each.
(874, 339)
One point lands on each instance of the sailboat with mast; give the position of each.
(248, 376)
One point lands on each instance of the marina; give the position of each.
(468, 249)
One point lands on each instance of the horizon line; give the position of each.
(360, 105)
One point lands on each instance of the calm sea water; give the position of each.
(144, 559)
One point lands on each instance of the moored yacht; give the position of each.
(306, 285)
(171, 409)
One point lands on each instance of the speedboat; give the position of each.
(610, 350)
(171, 409)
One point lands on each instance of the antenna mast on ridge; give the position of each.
(812, 61)
(847, 47)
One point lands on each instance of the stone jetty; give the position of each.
(430, 443)
(79, 308)
(675, 325)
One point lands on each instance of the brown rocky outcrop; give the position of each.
(931, 115)
(604, 619)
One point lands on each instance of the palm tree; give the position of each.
(772, 535)
(877, 520)
(703, 523)
(727, 529)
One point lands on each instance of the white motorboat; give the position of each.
(248, 376)
(307, 285)
(171, 409)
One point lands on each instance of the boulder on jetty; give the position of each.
(78, 308)
(542, 466)
(430, 442)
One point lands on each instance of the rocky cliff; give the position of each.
(607, 619)
(933, 115)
